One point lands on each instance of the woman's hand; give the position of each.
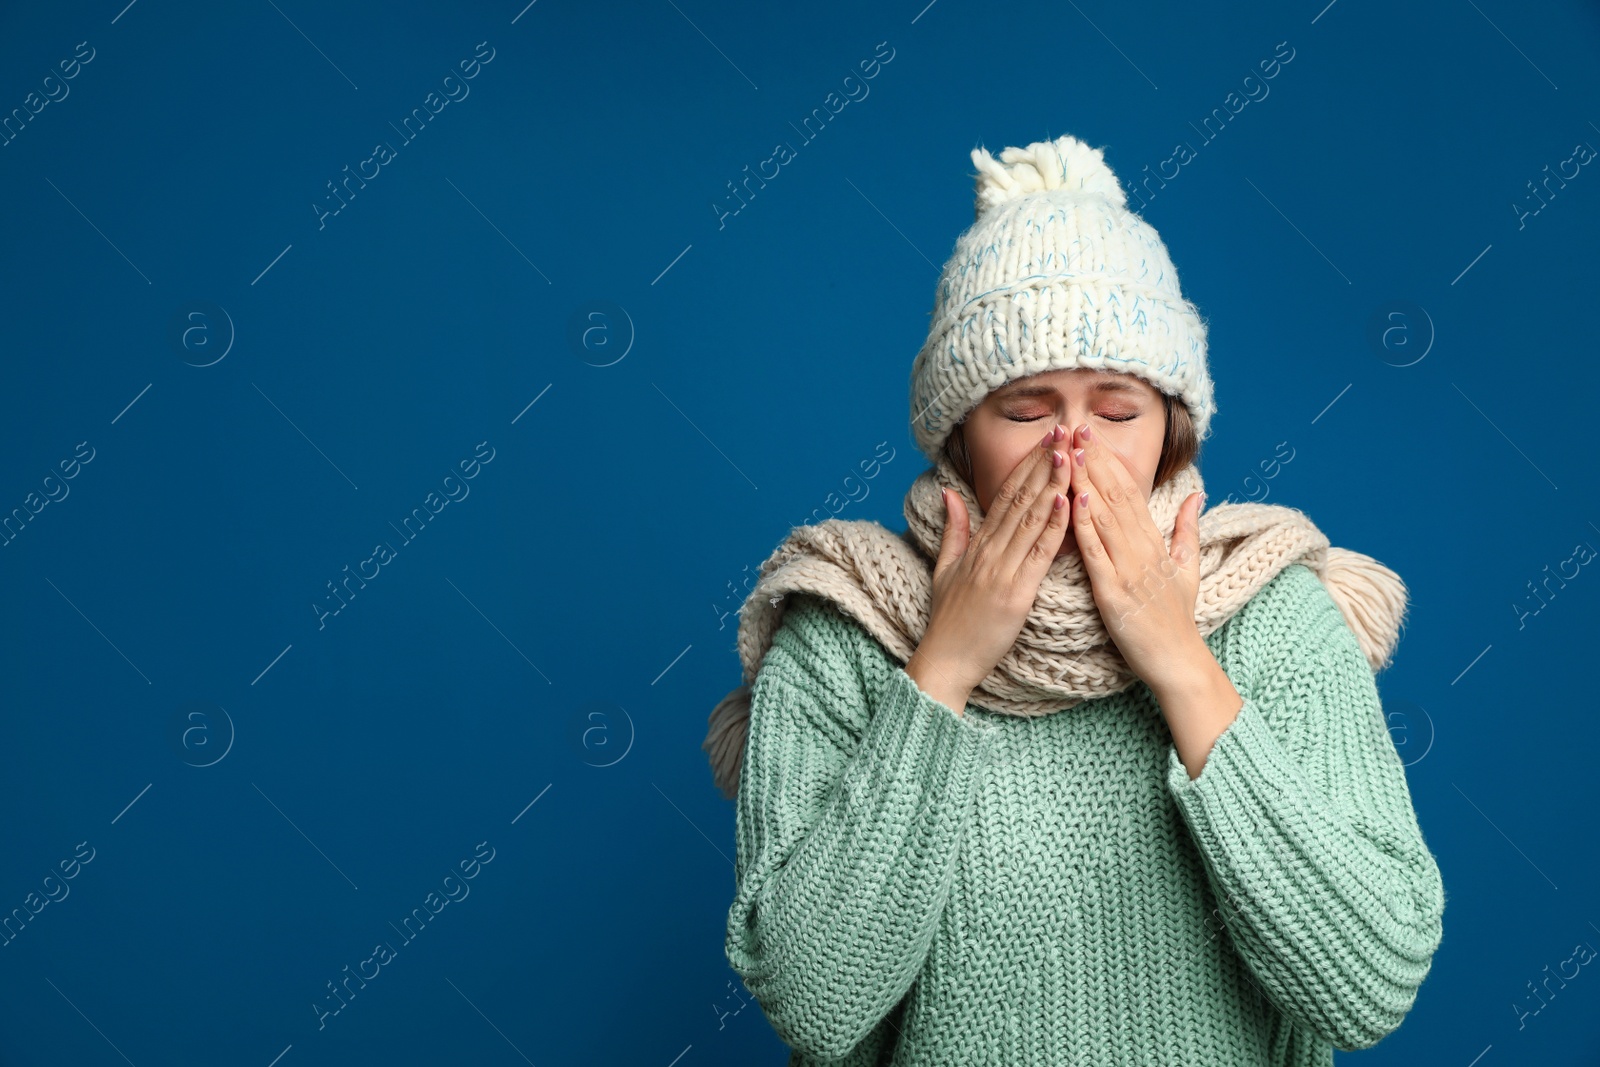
(984, 584)
(1145, 593)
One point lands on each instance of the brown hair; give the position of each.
(1178, 449)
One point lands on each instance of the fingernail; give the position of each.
(1060, 431)
(1087, 436)
(1056, 460)
(1077, 455)
(1045, 443)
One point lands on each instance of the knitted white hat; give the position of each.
(1055, 272)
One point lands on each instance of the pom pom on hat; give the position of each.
(1065, 163)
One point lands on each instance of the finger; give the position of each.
(1091, 548)
(1035, 516)
(1112, 474)
(1042, 553)
(1186, 538)
(1124, 519)
(1022, 488)
(957, 531)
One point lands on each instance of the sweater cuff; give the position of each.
(1247, 764)
(914, 737)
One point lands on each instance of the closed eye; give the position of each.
(1108, 418)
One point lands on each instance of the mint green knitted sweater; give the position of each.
(920, 887)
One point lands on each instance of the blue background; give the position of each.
(552, 270)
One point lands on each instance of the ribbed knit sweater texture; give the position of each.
(918, 887)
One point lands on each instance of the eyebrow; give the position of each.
(1099, 385)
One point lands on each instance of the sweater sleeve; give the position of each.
(1305, 824)
(852, 806)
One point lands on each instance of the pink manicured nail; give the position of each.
(1045, 443)
(1083, 500)
(1087, 436)
(1077, 455)
(1056, 460)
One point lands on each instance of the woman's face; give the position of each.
(1126, 412)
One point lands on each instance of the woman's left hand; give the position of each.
(1145, 593)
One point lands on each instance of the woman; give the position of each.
(1068, 773)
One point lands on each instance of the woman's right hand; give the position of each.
(985, 584)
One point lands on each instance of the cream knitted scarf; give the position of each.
(1064, 654)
